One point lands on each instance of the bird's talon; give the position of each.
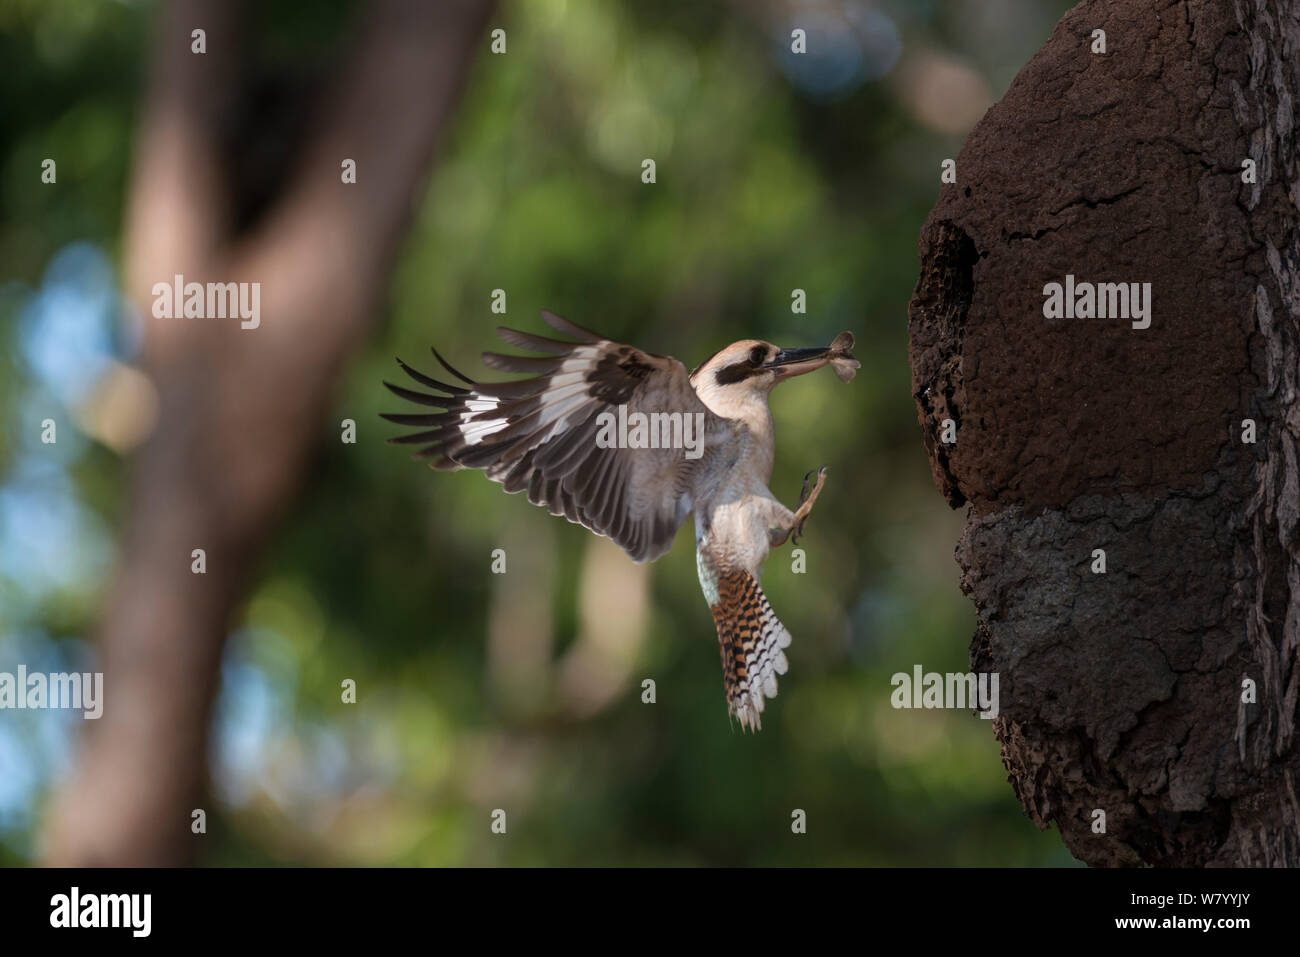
(797, 531)
(803, 492)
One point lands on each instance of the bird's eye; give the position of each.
(758, 355)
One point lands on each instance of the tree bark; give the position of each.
(1122, 691)
(241, 409)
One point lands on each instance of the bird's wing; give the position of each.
(540, 434)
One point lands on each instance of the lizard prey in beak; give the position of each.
(792, 362)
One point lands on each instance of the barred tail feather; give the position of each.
(751, 639)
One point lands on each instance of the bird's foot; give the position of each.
(806, 502)
(803, 492)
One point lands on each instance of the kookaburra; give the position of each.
(628, 444)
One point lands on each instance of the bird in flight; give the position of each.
(628, 444)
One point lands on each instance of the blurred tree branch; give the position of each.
(241, 410)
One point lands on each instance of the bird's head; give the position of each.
(748, 369)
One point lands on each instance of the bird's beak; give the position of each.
(792, 362)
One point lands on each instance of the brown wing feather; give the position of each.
(539, 435)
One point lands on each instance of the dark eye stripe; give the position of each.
(736, 372)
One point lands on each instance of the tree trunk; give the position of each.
(241, 409)
(1122, 691)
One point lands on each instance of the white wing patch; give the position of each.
(473, 428)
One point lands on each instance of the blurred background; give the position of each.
(522, 691)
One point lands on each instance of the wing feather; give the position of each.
(538, 435)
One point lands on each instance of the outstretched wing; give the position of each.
(541, 434)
